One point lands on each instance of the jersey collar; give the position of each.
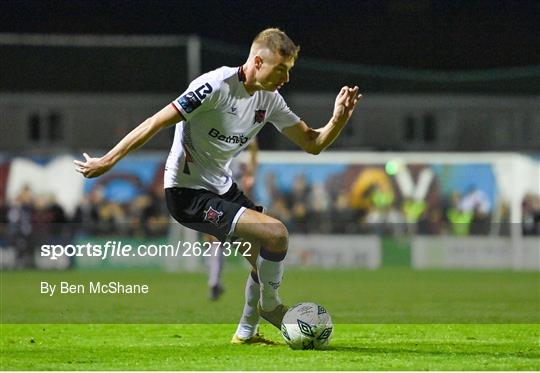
(241, 79)
(241, 74)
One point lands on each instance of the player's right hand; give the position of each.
(91, 167)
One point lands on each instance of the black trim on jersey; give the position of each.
(241, 74)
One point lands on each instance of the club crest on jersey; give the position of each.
(212, 216)
(259, 116)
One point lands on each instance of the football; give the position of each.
(307, 326)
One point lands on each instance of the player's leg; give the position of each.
(250, 316)
(215, 267)
(219, 216)
(249, 321)
(247, 329)
(272, 237)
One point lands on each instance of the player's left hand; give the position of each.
(91, 167)
(346, 101)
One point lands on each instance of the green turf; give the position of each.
(351, 296)
(205, 347)
(390, 319)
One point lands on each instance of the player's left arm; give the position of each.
(314, 141)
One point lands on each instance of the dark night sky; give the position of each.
(446, 35)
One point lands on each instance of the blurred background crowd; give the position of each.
(305, 208)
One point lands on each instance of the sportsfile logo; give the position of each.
(119, 249)
(232, 139)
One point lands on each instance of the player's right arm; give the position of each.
(93, 167)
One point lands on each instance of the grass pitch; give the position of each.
(205, 347)
(392, 319)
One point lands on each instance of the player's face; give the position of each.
(273, 71)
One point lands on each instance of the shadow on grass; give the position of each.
(369, 350)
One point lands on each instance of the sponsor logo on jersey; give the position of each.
(232, 111)
(259, 116)
(189, 102)
(212, 216)
(232, 139)
(193, 99)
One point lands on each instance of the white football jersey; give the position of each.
(221, 118)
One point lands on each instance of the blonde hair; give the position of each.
(277, 41)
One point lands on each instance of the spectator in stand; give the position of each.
(86, 218)
(344, 218)
(58, 217)
(134, 215)
(112, 219)
(155, 217)
(48, 222)
(319, 203)
(477, 202)
(280, 210)
(431, 222)
(413, 210)
(383, 217)
(277, 204)
(458, 219)
(3, 218)
(271, 188)
(19, 218)
(531, 214)
(298, 202)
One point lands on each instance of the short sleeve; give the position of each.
(201, 95)
(282, 116)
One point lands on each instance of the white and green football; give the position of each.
(307, 326)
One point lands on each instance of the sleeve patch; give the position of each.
(193, 99)
(189, 102)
